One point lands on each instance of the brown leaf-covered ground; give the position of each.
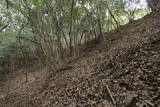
(122, 72)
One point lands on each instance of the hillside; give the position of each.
(123, 71)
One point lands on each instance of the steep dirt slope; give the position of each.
(124, 71)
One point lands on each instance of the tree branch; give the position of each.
(1, 29)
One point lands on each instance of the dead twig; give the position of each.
(149, 103)
(110, 95)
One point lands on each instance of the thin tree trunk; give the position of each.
(71, 25)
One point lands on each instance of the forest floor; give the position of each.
(122, 72)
